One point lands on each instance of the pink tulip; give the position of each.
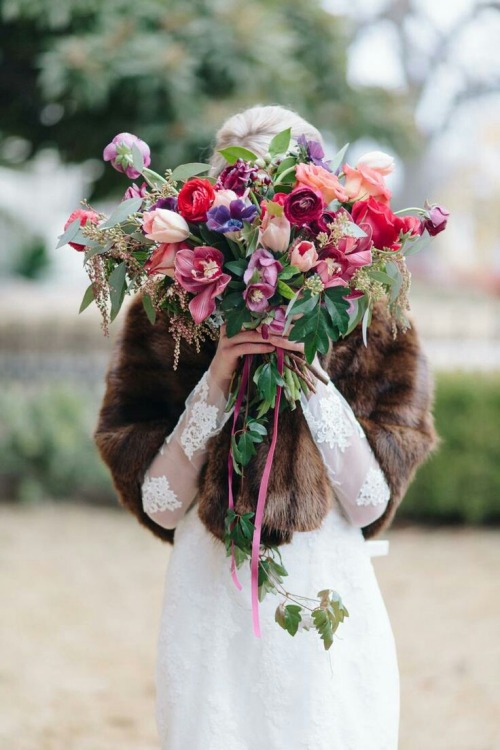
(303, 255)
(162, 260)
(274, 233)
(163, 225)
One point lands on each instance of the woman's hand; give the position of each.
(229, 350)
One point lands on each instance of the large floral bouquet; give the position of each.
(289, 242)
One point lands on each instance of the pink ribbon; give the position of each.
(264, 483)
(237, 407)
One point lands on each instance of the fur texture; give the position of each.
(388, 385)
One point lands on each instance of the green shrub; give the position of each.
(461, 482)
(46, 445)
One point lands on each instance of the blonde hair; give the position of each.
(254, 128)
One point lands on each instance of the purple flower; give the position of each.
(119, 153)
(263, 267)
(236, 177)
(257, 296)
(314, 152)
(230, 218)
(437, 218)
(134, 191)
(169, 203)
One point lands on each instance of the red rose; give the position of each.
(384, 224)
(84, 216)
(303, 205)
(195, 198)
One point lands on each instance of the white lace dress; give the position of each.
(219, 687)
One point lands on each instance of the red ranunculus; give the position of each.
(384, 224)
(84, 216)
(303, 205)
(195, 198)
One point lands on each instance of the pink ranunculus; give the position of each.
(224, 198)
(200, 271)
(257, 296)
(274, 232)
(119, 153)
(163, 225)
(363, 183)
(379, 161)
(318, 178)
(134, 191)
(85, 217)
(303, 255)
(303, 206)
(162, 259)
(264, 264)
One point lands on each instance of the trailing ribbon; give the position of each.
(264, 482)
(237, 407)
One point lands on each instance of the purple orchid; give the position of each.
(230, 218)
(119, 153)
(314, 151)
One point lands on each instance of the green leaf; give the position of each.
(117, 288)
(185, 171)
(232, 153)
(381, 276)
(367, 319)
(292, 618)
(305, 304)
(324, 627)
(266, 383)
(285, 291)
(290, 161)
(69, 234)
(338, 159)
(153, 179)
(354, 230)
(360, 307)
(88, 297)
(288, 272)
(257, 427)
(280, 143)
(137, 158)
(122, 212)
(235, 320)
(237, 267)
(337, 308)
(148, 307)
(246, 448)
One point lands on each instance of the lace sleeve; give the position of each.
(169, 485)
(351, 464)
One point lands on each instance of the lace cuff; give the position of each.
(351, 464)
(169, 485)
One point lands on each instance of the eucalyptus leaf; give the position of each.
(338, 159)
(232, 153)
(148, 307)
(367, 317)
(88, 297)
(69, 234)
(137, 158)
(185, 171)
(117, 288)
(354, 230)
(122, 212)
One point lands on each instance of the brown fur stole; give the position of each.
(388, 385)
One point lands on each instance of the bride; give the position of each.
(343, 462)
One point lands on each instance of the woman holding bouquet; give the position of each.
(343, 460)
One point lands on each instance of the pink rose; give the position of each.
(379, 161)
(303, 205)
(318, 178)
(303, 255)
(274, 232)
(85, 217)
(162, 260)
(200, 271)
(363, 183)
(163, 225)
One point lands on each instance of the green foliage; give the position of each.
(461, 481)
(77, 73)
(46, 445)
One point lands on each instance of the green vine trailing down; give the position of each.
(324, 613)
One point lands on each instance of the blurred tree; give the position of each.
(75, 74)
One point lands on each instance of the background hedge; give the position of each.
(46, 450)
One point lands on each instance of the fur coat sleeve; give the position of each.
(388, 385)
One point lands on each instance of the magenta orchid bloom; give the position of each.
(119, 153)
(200, 271)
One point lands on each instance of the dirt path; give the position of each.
(81, 593)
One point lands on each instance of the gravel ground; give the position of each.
(82, 592)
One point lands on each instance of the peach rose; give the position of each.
(365, 182)
(378, 160)
(163, 225)
(318, 178)
(303, 255)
